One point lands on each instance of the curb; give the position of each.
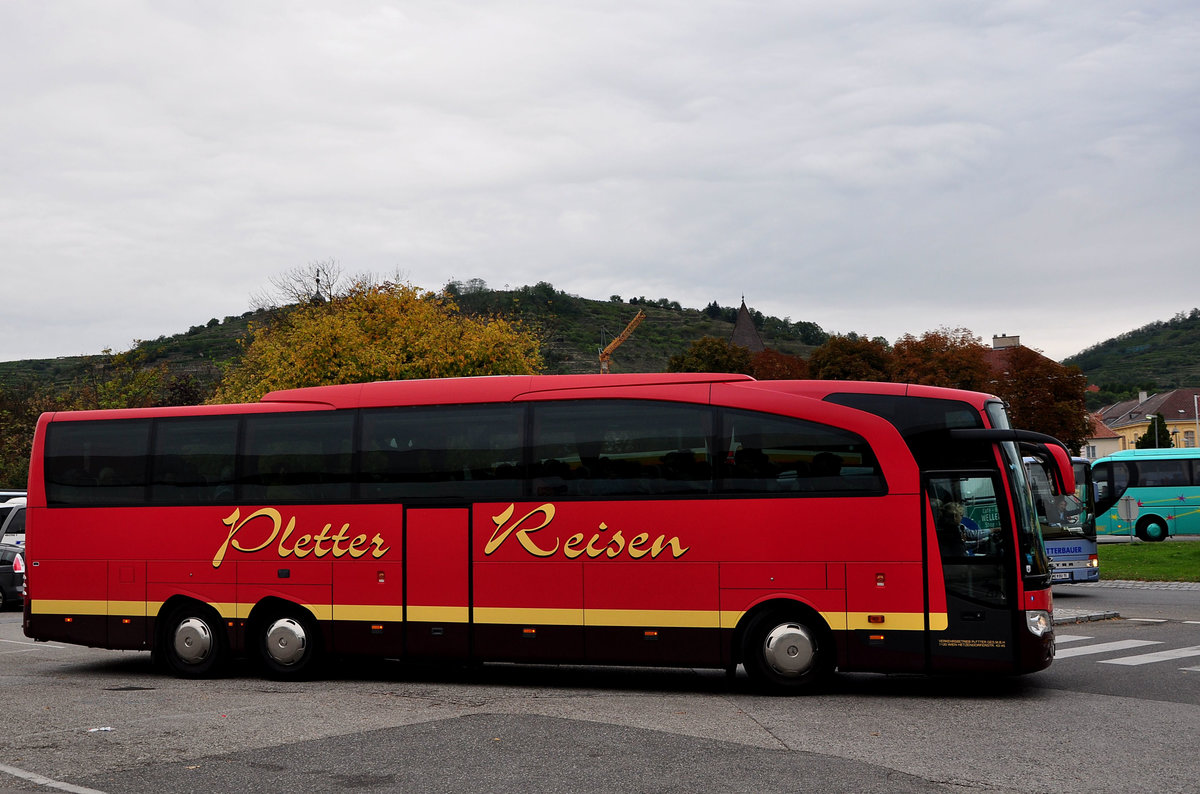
(1068, 616)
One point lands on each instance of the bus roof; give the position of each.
(1168, 453)
(499, 388)
(507, 388)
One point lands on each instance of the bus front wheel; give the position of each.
(289, 645)
(1152, 529)
(785, 653)
(193, 641)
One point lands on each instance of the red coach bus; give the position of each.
(692, 520)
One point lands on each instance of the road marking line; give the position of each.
(1059, 638)
(42, 780)
(1104, 647)
(1192, 622)
(1146, 620)
(1157, 656)
(39, 644)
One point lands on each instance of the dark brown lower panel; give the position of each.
(128, 633)
(528, 644)
(642, 645)
(884, 651)
(438, 640)
(90, 630)
(385, 639)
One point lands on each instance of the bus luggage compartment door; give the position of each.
(437, 586)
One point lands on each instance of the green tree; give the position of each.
(1156, 435)
(710, 354)
(376, 332)
(850, 358)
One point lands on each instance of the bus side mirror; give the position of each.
(1061, 470)
(1048, 448)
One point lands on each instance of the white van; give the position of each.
(12, 521)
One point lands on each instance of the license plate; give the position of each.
(1060, 577)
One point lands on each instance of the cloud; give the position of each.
(1017, 167)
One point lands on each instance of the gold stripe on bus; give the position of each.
(128, 608)
(426, 614)
(895, 621)
(369, 612)
(49, 606)
(666, 618)
(660, 618)
(529, 617)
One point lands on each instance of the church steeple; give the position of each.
(744, 333)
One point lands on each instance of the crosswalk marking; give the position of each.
(1103, 647)
(1157, 656)
(1061, 638)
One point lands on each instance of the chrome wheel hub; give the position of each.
(193, 641)
(789, 649)
(286, 641)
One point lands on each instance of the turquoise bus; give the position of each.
(1162, 487)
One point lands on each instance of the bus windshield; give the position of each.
(1035, 564)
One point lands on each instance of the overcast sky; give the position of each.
(887, 168)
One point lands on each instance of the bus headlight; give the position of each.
(1038, 622)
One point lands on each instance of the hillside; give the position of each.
(574, 329)
(1158, 356)
(1161, 355)
(198, 352)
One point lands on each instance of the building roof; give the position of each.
(997, 356)
(1099, 429)
(1174, 405)
(744, 333)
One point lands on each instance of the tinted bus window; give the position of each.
(194, 460)
(94, 463)
(298, 457)
(1158, 473)
(470, 452)
(774, 454)
(604, 448)
(923, 423)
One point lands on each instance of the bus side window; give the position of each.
(193, 460)
(303, 456)
(464, 452)
(97, 463)
(620, 448)
(772, 454)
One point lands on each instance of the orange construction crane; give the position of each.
(606, 353)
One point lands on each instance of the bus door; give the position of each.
(972, 542)
(437, 582)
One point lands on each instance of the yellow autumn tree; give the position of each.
(376, 332)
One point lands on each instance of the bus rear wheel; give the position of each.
(1152, 529)
(785, 653)
(289, 645)
(193, 641)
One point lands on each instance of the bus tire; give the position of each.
(193, 643)
(288, 643)
(1153, 529)
(785, 653)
